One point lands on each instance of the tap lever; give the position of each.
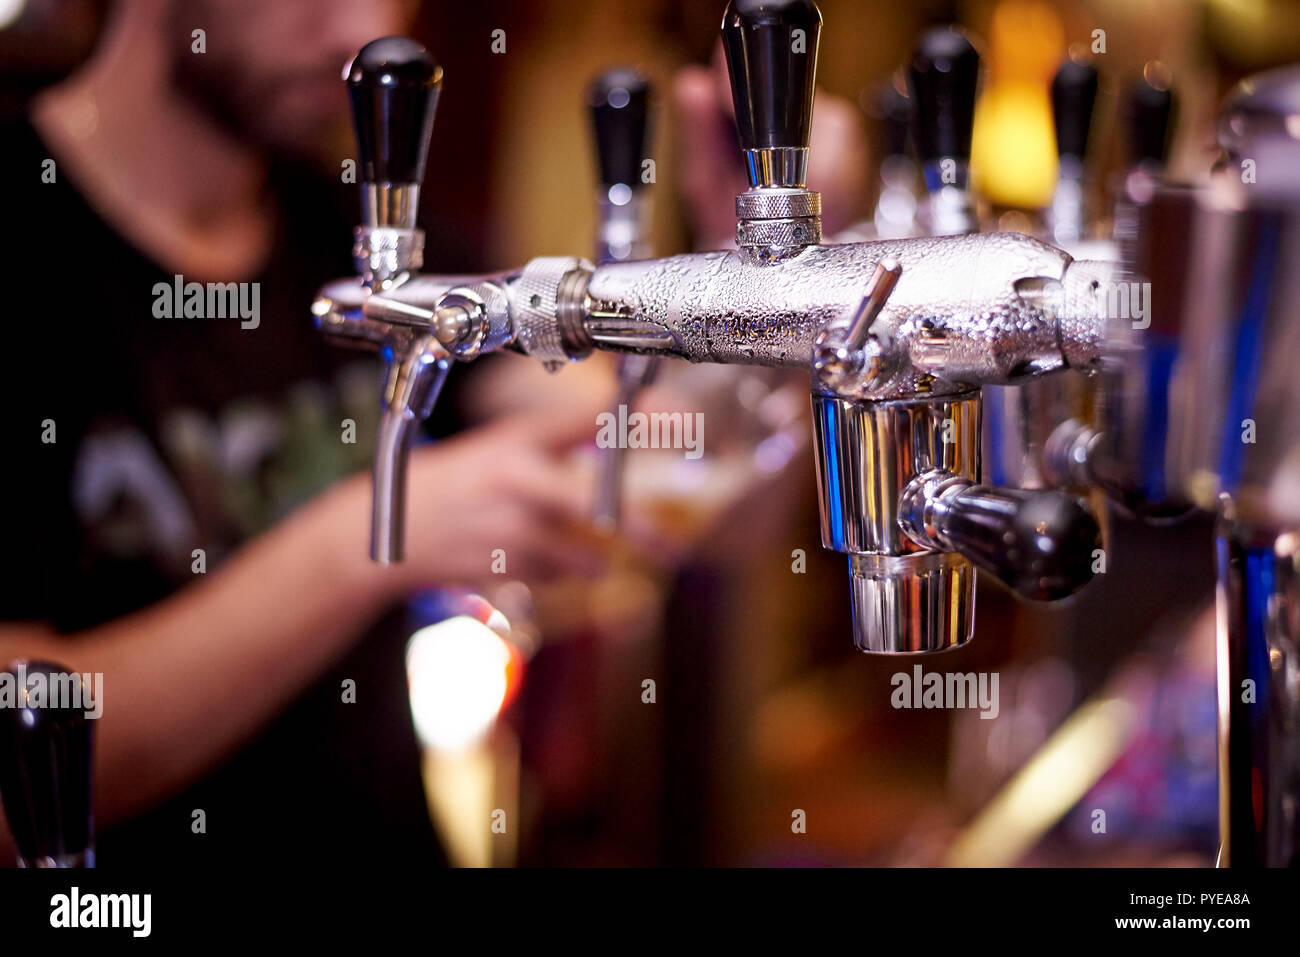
(619, 101)
(46, 743)
(771, 49)
(1041, 543)
(942, 78)
(843, 353)
(1074, 94)
(1148, 112)
(881, 285)
(393, 83)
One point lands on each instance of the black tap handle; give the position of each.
(1148, 115)
(943, 77)
(1041, 543)
(620, 110)
(394, 85)
(890, 108)
(773, 69)
(45, 765)
(1074, 94)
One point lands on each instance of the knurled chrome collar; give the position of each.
(381, 252)
(778, 218)
(534, 306)
(774, 203)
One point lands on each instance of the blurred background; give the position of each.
(761, 708)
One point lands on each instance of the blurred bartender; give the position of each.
(175, 518)
(137, 440)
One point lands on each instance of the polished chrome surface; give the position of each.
(535, 306)
(620, 230)
(1259, 695)
(997, 307)
(1069, 454)
(345, 297)
(769, 203)
(387, 312)
(1067, 216)
(905, 597)
(899, 360)
(844, 353)
(785, 166)
(1218, 262)
(390, 205)
(950, 211)
(381, 254)
(621, 236)
(1203, 400)
(412, 382)
(1024, 430)
(634, 373)
(924, 506)
(774, 240)
(867, 453)
(485, 307)
(773, 224)
(911, 604)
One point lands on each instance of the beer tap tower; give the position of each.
(897, 337)
(619, 101)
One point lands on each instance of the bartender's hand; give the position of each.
(507, 498)
(710, 170)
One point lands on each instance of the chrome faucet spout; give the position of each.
(411, 388)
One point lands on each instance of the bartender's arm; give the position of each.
(187, 680)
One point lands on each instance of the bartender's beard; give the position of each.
(259, 111)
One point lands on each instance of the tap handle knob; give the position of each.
(45, 766)
(1148, 114)
(394, 84)
(891, 109)
(619, 101)
(1074, 94)
(771, 48)
(1042, 543)
(943, 77)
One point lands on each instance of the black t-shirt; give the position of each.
(172, 434)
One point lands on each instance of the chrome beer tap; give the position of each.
(393, 84)
(1074, 95)
(896, 207)
(1106, 444)
(619, 101)
(895, 215)
(898, 337)
(943, 77)
(1200, 407)
(1024, 421)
